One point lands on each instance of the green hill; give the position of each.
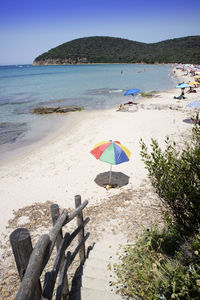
(102, 49)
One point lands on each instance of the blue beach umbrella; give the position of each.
(195, 103)
(182, 85)
(132, 92)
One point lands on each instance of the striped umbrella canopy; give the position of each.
(111, 152)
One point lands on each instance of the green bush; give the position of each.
(146, 272)
(165, 264)
(176, 177)
(149, 94)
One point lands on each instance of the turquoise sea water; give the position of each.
(90, 86)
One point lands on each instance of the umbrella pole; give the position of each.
(109, 182)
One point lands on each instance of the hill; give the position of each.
(102, 49)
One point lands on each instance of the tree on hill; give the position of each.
(103, 49)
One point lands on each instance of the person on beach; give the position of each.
(191, 90)
(182, 94)
(120, 107)
(128, 103)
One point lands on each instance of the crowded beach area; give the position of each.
(61, 166)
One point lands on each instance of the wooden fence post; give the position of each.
(54, 208)
(33, 271)
(55, 215)
(22, 248)
(81, 233)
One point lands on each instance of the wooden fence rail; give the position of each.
(32, 261)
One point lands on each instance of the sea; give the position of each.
(93, 87)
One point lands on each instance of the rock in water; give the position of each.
(55, 109)
(10, 132)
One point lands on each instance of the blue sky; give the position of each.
(30, 27)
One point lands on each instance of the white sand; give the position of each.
(62, 166)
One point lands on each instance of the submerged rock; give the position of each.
(10, 132)
(55, 109)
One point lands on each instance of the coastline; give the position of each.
(60, 122)
(62, 155)
(67, 151)
(89, 63)
(56, 168)
(34, 134)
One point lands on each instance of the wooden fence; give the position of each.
(31, 262)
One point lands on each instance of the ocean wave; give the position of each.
(103, 91)
(115, 91)
(10, 101)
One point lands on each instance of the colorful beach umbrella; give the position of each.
(193, 83)
(132, 92)
(111, 152)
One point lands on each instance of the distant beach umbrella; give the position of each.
(132, 92)
(195, 103)
(191, 121)
(111, 152)
(182, 85)
(193, 83)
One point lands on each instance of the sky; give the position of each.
(29, 28)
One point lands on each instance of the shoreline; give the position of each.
(72, 131)
(60, 165)
(31, 145)
(57, 168)
(85, 64)
(34, 138)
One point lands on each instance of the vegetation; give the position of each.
(176, 177)
(165, 263)
(150, 271)
(102, 49)
(149, 94)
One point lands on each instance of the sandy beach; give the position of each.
(61, 166)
